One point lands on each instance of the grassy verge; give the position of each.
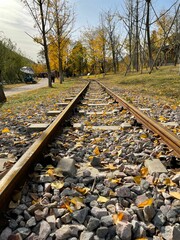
(163, 83)
(28, 99)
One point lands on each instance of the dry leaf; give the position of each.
(162, 119)
(144, 171)
(147, 202)
(5, 130)
(102, 199)
(137, 179)
(78, 202)
(82, 190)
(169, 182)
(175, 194)
(143, 136)
(117, 217)
(57, 185)
(96, 151)
(50, 172)
(110, 166)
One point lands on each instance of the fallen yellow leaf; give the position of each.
(147, 202)
(57, 185)
(143, 136)
(169, 182)
(137, 179)
(162, 119)
(144, 171)
(82, 190)
(117, 217)
(78, 202)
(5, 130)
(110, 166)
(96, 151)
(175, 194)
(50, 172)
(102, 199)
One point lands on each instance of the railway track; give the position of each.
(97, 171)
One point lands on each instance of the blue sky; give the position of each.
(15, 21)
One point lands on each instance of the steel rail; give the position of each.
(167, 136)
(19, 171)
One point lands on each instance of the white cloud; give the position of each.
(15, 21)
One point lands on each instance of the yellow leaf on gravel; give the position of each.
(169, 182)
(143, 136)
(137, 179)
(110, 166)
(57, 185)
(175, 194)
(96, 151)
(144, 171)
(147, 202)
(78, 202)
(118, 217)
(102, 199)
(50, 172)
(162, 119)
(82, 190)
(5, 130)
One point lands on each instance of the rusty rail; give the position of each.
(167, 136)
(20, 169)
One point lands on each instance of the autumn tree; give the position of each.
(77, 61)
(62, 19)
(40, 10)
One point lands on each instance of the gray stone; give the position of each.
(107, 221)
(66, 218)
(80, 215)
(44, 230)
(96, 162)
(31, 222)
(51, 219)
(24, 231)
(67, 231)
(5, 233)
(39, 215)
(171, 232)
(123, 192)
(59, 212)
(93, 224)
(124, 230)
(85, 235)
(176, 178)
(155, 166)
(159, 219)
(67, 165)
(102, 232)
(137, 230)
(149, 212)
(13, 224)
(99, 212)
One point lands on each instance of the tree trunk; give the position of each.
(45, 46)
(148, 34)
(2, 95)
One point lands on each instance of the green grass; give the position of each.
(23, 101)
(163, 83)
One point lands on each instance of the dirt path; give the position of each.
(28, 87)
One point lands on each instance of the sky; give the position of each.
(15, 20)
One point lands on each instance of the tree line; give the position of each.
(11, 60)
